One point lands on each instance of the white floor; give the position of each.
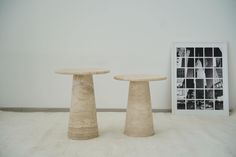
(45, 135)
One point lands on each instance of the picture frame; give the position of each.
(200, 78)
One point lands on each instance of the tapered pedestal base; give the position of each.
(139, 120)
(83, 118)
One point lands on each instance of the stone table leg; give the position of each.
(83, 118)
(139, 120)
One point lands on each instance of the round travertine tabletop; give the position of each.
(85, 71)
(140, 77)
(83, 117)
(139, 120)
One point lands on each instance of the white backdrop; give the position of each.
(127, 36)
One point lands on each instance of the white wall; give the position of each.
(125, 36)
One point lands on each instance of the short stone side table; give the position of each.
(83, 117)
(139, 120)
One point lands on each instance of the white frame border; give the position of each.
(223, 45)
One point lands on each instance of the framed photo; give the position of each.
(200, 78)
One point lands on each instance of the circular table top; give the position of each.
(85, 71)
(140, 77)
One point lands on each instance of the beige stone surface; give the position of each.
(83, 118)
(86, 71)
(140, 77)
(139, 120)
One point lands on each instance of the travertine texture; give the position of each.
(86, 71)
(140, 77)
(139, 121)
(83, 119)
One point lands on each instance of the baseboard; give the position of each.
(40, 109)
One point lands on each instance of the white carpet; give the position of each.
(45, 135)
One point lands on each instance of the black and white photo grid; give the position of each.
(199, 78)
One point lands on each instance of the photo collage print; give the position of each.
(199, 78)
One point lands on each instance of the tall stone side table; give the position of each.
(83, 116)
(139, 119)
